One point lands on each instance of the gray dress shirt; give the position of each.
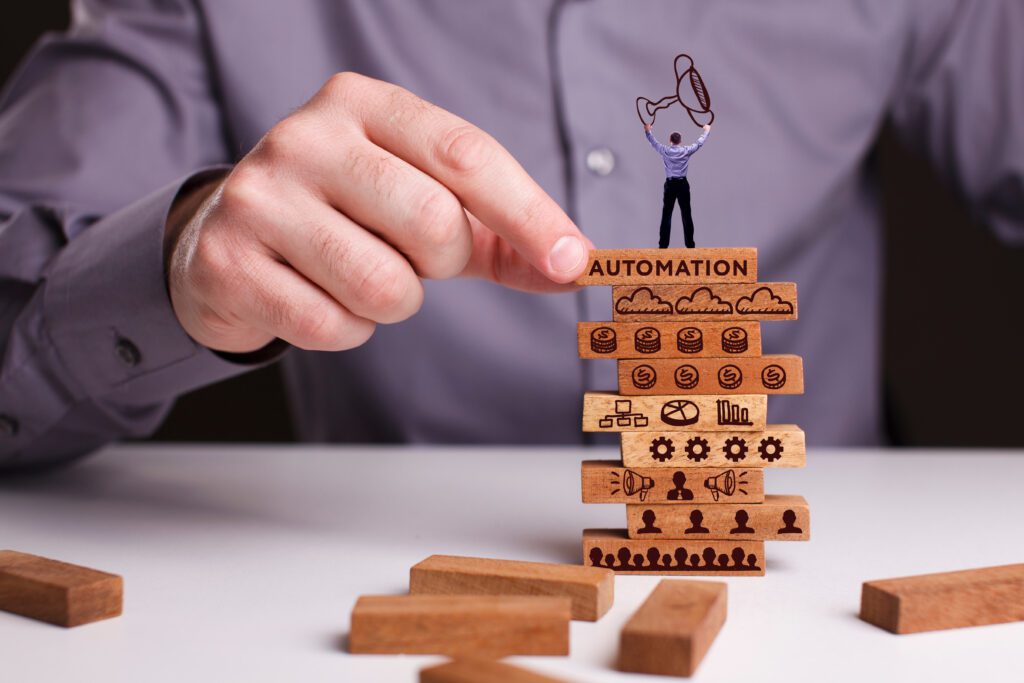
(101, 125)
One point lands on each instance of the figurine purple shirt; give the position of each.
(101, 125)
(676, 157)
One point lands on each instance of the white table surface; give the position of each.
(242, 563)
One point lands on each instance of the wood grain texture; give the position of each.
(474, 625)
(776, 446)
(757, 301)
(669, 266)
(482, 671)
(934, 602)
(610, 412)
(782, 374)
(674, 628)
(590, 589)
(778, 518)
(613, 549)
(607, 481)
(57, 592)
(697, 339)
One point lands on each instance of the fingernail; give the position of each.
(567, 255)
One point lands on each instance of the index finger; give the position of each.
(485, 177)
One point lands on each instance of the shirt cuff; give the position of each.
(110, 319)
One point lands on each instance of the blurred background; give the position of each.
(951, 370)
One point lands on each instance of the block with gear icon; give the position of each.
(691, 411)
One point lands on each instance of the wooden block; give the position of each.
(488, 626)
(607, 481)
(482, 671)
(698, 339)
(57, 592)
(612, 549)
(933, 602)
(590, 589)
(669, 266)
(608, 412)
(764, 375)
(674, 628)
(778, 518)
(757, 301)
(776, 446)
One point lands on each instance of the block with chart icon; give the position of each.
(691, 412)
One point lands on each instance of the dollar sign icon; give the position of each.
(644, 377)
(687, 377)
(773, 377)
(730, 377)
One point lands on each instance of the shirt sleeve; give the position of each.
(960, 103)
(658, 147)
(99, 128)
(690, 149)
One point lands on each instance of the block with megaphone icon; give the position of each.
(726, 483)
(632, 483)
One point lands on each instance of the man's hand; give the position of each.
(647, 127)
(326, 227)
(707, 128)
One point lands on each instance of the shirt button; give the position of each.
(600, 161)
(127, 352)
(8, 426)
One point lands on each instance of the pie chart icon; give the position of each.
(680, 413)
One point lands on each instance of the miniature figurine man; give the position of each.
(677, 187)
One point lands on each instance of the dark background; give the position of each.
(952, 367)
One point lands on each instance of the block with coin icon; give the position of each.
(691, 412)
(695, 339)
(782, 374)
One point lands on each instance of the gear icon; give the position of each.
(697, 449)
(770, 449)
(735, 448)
(662, 449)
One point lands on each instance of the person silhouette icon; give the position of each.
(653, 558)
(741, 523)
(648, 527)
(638, 561)
(697, 524)
(680, 492)
(789, 519)
(624, 557)
(595, 556)
(680, 557)
(738, 556)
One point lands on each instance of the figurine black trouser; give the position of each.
(676, 190)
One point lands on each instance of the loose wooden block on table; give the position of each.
(609, 412)
(674, 628)
(613, 549)
(668, 266)
(607, 481)
(482, 671)
(756, 301)
(698, 339)
(57, 592)
(590, 589)
(474, 625)
(765, 375)
(778, 518)
(776, 446)
(933, 602)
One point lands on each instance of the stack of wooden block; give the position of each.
(691, 409)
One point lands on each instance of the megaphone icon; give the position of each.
(724, 483)
(633, 483)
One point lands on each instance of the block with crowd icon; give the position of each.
(691, 413)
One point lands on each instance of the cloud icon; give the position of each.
(642, 300)
(763, 300)
(703, 301)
